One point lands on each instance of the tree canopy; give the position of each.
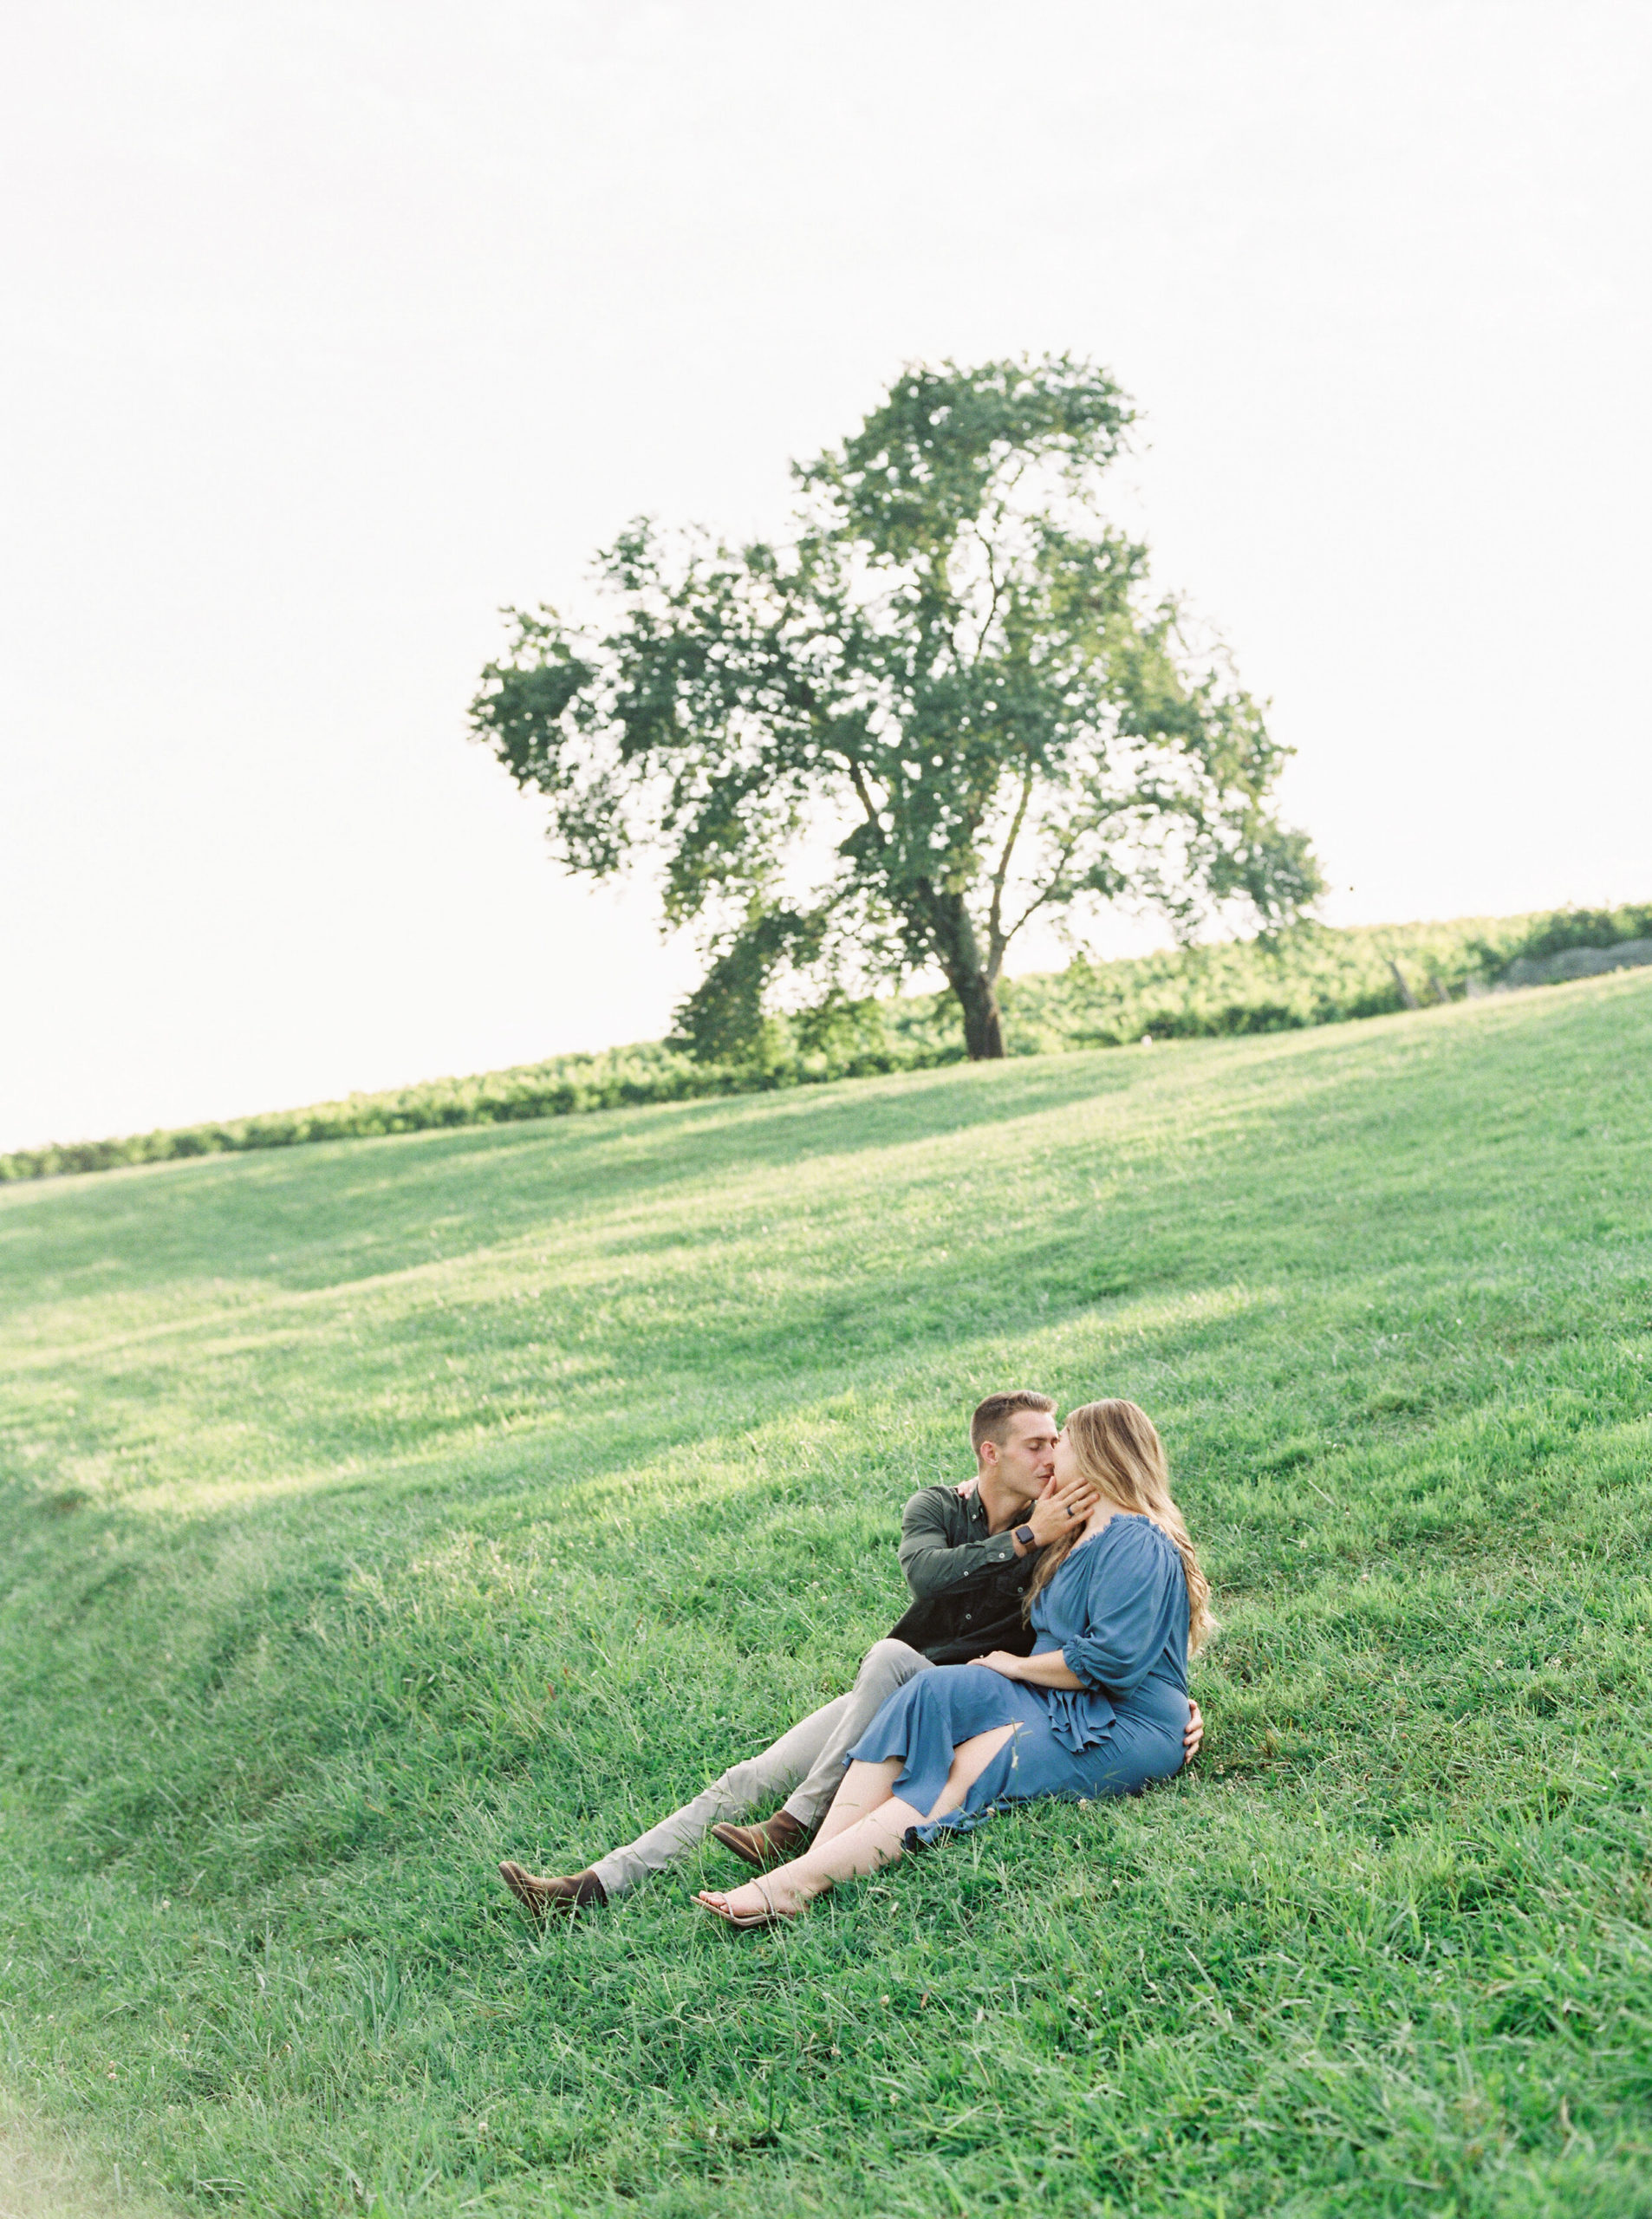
(946, 702)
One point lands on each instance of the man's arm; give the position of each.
(934, 1566)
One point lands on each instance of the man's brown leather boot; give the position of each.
(771, 1843)
(546, 1894)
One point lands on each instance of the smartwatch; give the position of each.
(1023, 1534)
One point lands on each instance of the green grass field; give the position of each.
(376, 1509)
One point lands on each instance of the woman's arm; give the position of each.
(1050, 1670)
(1133, 1571)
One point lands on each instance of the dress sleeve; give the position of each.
(1123, 1633)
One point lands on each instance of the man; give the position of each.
(968, 1552)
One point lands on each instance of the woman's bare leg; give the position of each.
(970, 1760)
(866, 1843)
(864, 1787)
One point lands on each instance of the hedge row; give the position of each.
(563, 1086)
(1313, 975)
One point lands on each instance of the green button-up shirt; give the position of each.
(945, 1543)
(967, 1582)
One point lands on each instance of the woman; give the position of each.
(1098, 1708)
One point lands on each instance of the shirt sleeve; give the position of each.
(1123, 1632)
(936, 1566)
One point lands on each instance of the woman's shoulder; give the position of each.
(1127, 1533)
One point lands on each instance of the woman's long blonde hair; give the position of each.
(1120, 1452)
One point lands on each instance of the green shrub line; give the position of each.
(1315, 975)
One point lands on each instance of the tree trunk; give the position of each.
(967, 975)
(983, 1026)
(1400, 981)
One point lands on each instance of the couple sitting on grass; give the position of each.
(1058, 1598)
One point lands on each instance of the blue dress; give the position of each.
(1118, 1608)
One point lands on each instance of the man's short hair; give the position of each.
(992, 1418)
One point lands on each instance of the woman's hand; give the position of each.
(1050, 1670)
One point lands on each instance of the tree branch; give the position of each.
(996, 584)
(998, 941)
(992, 605)
(1051, 889)
(857, 779)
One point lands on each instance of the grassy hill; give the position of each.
(374, 1509)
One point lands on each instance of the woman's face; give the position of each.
(1066, 1460)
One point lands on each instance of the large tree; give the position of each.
(945, 703)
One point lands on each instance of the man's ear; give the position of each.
(987, 1453)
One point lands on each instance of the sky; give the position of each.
(330, 330)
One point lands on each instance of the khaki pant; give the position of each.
(805, 1765)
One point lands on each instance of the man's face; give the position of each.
(1027, 1459)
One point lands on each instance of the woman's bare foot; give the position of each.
(760, 1902)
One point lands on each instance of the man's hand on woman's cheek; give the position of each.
(1055, 1511)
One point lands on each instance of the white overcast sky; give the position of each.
(330, 328)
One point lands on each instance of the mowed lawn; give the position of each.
(372, 1511)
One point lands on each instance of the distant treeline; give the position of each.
(1310, 975)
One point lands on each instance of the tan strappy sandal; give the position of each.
(743, 1919)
